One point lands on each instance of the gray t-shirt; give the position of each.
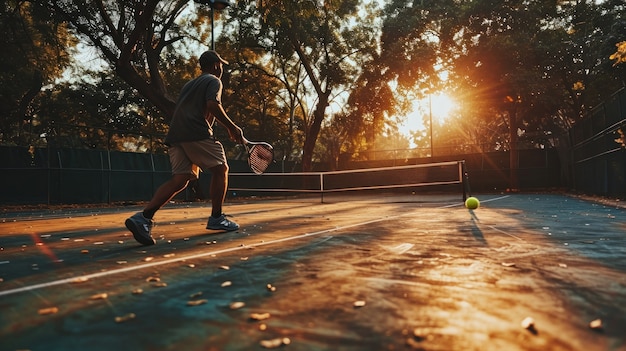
(192, 121)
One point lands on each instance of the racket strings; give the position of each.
(260, 158)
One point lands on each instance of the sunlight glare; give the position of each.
(441, 105)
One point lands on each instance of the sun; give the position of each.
(442, 106)
(438, 107)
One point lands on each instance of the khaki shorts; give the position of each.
(191, 157)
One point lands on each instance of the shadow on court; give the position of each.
(522, 272)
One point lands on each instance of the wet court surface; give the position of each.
(305, 275)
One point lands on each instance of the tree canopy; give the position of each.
(36, 51)
(326, 80)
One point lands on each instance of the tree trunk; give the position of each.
(147, 90)
(313, 132)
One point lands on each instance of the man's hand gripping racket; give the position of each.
(260, 155)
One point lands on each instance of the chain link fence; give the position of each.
(598, 155)
(85, 166)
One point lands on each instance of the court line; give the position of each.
(503, 232)
(205, 254)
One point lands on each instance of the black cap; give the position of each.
(209, 57)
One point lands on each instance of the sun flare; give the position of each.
(438, 106)
(442, 105)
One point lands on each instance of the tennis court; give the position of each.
(393, 272)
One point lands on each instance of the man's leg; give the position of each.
(140, 224)
(219, 184)
(165, 193)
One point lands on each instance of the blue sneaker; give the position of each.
(141, 227)
(221, 223)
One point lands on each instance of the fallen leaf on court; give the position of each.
(414, 344)
(49, 310)
(197, 302)
(275, 343)
(148, 259)
(191, 265)
(508, 264)
(227, 283)
(137, 291)
(420, 334)
(124, 318)
(596, 324)
(159, 284)
(359, 303)
(237, 305)
(225, 268)
(244, 258)
(153, 279)
(101, 296)
(562, 265)
(80, 280)
(122, 262)
(195, 295)
(84, 251)
(169, 255)
(259, 316)
(528, 323)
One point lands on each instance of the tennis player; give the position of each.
(193, 148)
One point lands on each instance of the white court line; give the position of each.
(204, 254)
(505, 233)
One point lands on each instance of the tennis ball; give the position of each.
(472, 203)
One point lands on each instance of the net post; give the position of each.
(321, 187)
(464, 179)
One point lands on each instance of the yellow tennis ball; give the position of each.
(472, 203)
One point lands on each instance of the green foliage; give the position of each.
(518, 68)
(310, 53)
(133, 37)
(105, 114)
(320, 80)
(36, 50)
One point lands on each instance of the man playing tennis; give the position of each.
(192, 148)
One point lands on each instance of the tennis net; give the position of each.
(433, 178)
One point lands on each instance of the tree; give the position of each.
(36, 50)
(620, 55)
(134, 38)
(319, 40)
(103, 113)
(524, 67)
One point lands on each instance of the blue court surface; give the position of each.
(521, 272)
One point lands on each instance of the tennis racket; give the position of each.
(260, 155)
